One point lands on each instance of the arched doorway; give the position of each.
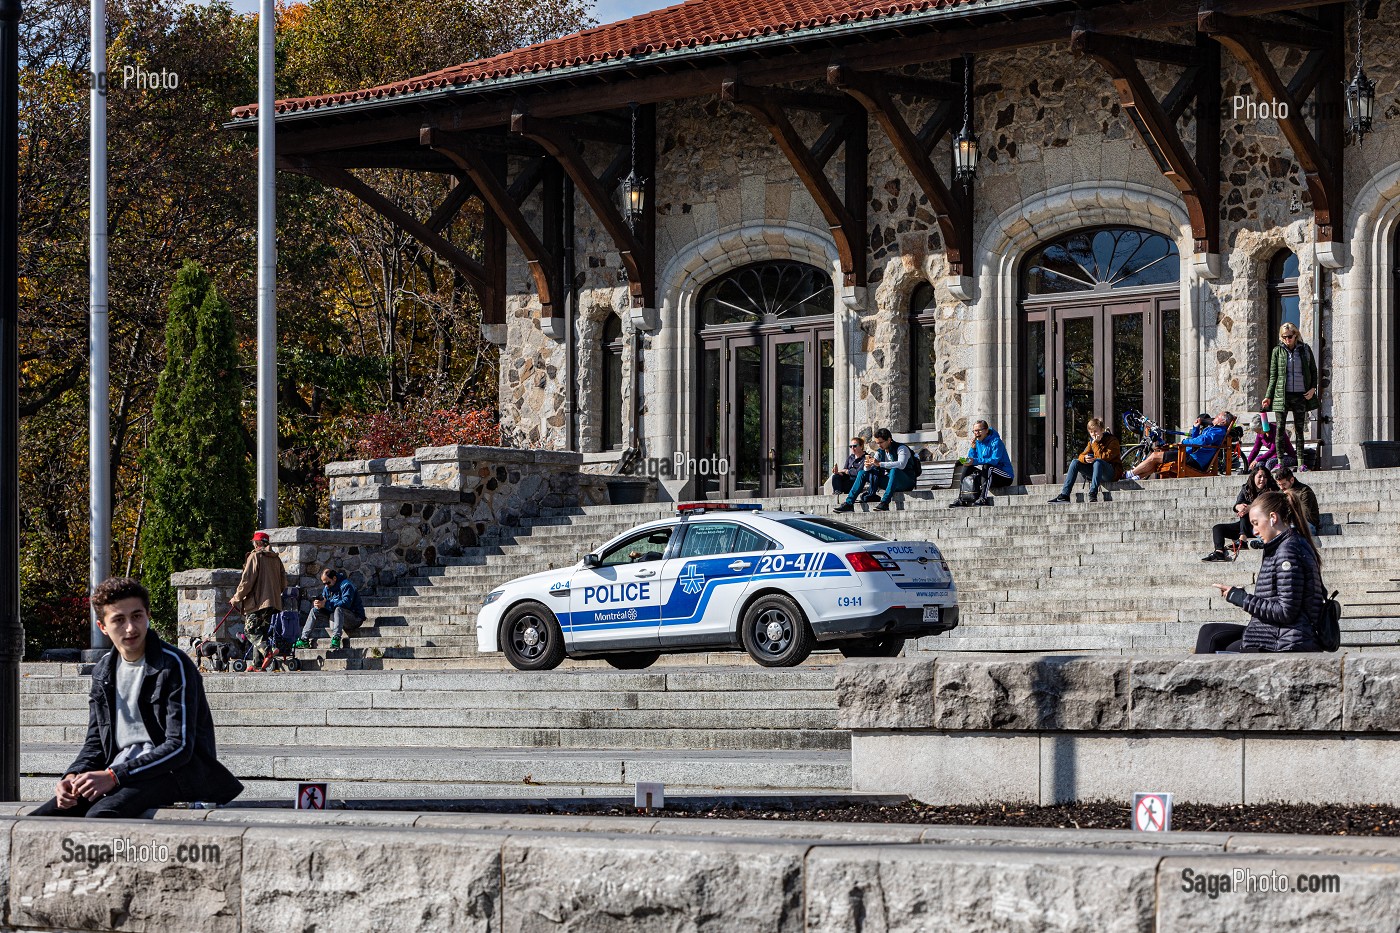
(767, 359)
(1101, 335)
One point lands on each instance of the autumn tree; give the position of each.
(198, 476)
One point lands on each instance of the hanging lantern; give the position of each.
(634, 194)
(965, 152)
(1361, 92)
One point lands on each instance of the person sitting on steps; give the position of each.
(339, 603)
(1288, 599)
(987, 466)
(1201, 449)
(1271, 446)
(1101, 459)
(1259, 482)
(843, 478)
(1307, 499)
(888, 470)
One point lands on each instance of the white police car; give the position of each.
(722, 576)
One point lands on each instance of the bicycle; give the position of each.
(1151, 433)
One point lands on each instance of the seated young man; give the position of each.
(1201, 449)
(338, 607)
(150, 740)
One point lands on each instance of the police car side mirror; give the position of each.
(591, 560)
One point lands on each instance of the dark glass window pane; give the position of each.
(1078, 378)
(828, 387)
(748, 440)
(1171, 366)
(612, 383)
(705, 538)
(1036, 401)
(766, 292)
(710, 415)
(1127, 373)
(791, 424)
(1119, 257)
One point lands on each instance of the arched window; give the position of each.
(923, 371)
(766, 293)
(1283, 294)
(612, 383)
(1102, 260)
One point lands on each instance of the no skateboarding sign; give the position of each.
(1152, 813)
(311, 796)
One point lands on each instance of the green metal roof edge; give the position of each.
(506, 81)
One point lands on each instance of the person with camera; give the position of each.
(339, 603)
(987, 466)
(890, 468)
(1288, 598)
(1101, 458)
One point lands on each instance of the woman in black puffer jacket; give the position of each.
(1288, 596)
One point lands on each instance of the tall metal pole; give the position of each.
(267, 268)
(99, 427)
(11, 629)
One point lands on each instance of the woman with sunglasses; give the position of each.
(1292, 383)
(844, 477)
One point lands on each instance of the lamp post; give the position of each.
(11, 628)
(99, 394)
(1361, 92)
(267, 267)
(965, 153)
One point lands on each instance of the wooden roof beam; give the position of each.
(844, 217)
(496, 196)
(953, 211)
(1298, 35)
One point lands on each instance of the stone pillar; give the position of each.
(201, 598)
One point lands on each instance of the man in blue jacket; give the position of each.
(339, 603)
(987, 466)
(150, 739)
(1201, 449)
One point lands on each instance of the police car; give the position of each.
(717, 576)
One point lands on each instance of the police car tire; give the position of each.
(883, 646)
(632, 660)
(551, 654)
(793, 645)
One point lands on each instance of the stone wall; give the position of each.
(392, 518)
(1050, 125)
(228, 871)
(1306, 728)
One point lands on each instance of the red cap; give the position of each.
(261, 536)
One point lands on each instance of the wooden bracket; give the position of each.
(845, 216)
(1196, 175)
(1318, 149)
(953, 209)
(637, 250)
(495, 194)
(336, 177)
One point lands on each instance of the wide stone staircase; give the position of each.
(1117, 575)
(470, 734)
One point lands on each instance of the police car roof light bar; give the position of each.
(698, 507)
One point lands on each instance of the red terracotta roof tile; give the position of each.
(691, 24)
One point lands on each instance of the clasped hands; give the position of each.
(90, 785)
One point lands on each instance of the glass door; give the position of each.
(746, 452)
(1079, 384)
(791, 428)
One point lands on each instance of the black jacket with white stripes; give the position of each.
(177, 718)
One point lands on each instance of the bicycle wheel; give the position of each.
(1134, 455)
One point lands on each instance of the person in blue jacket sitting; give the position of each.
(339, 605)
(987, 466)
(1201, 449)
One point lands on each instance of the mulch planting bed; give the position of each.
(1322, 820)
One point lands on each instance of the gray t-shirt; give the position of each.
(131, 729)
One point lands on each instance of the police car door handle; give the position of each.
(741, 565)
(646, 573)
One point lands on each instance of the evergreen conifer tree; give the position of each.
(198, 476)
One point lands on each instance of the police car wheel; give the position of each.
(632, 660)
(885, 646)
(775, 633)
(531, 639)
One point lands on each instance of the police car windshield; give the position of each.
(828, 531)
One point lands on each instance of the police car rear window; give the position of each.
(828, 531)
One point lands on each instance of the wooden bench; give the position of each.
(937, 474)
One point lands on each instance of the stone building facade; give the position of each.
(1063, 169)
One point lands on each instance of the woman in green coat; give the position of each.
(1292, 382)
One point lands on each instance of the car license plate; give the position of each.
(931, 613)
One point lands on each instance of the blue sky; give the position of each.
(605, 11)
